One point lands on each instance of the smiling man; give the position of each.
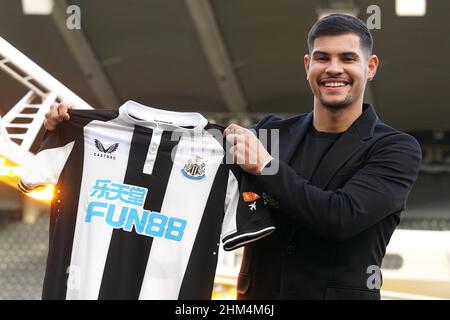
(343, 178)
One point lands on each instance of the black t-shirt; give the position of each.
(311, 151)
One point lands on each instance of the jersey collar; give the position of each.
(138, 114)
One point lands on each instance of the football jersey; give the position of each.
(143, 199)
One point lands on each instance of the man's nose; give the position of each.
(334, 67)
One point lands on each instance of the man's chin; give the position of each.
(336, 104)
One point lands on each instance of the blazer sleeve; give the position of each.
(266, 119)
(377, 190)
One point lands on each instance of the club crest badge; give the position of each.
(194, 169)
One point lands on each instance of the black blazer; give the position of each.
(333, 227)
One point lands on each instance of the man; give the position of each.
(343, 178)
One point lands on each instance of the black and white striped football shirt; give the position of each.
(143, 199)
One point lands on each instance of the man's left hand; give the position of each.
(247, 151)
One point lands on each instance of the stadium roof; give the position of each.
(227, 55)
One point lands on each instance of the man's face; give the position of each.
(338, 69)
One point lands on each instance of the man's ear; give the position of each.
(372, 66)
(306, 61)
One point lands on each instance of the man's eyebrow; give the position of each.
(343, 54)
(323, 53)
(349, 54)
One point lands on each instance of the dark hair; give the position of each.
(338, 24)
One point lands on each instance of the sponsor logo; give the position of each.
(105, 152)
(250, 197)
(121, 207)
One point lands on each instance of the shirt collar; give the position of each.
(138, 114)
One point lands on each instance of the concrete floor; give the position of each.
(23, 253)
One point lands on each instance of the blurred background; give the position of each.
(233, 61)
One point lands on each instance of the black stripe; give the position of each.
(198, 278)
(129, 251)
(63, 214)
(23, 187)
(63, 219)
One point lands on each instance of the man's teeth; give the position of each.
(335, 84)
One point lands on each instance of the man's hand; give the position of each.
(56, 114)
(247, 151)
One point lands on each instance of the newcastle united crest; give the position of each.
(194, 169)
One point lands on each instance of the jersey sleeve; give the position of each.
(247, 216)
(48, 163)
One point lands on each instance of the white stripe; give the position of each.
(229, 224)
(91, 240)
(46, 167)
(259, 235)
(185, 199)
(23, 187)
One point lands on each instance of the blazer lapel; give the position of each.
(289, 142)
(345, 147)
(290, 139)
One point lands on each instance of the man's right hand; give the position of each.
(56, 114)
